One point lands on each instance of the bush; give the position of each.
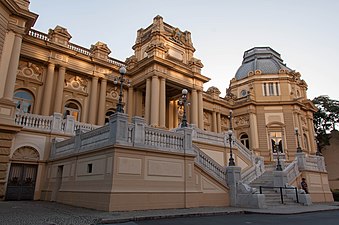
(335, 194)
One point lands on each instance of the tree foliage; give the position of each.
(326, 118)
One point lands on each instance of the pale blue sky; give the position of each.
(304, 32)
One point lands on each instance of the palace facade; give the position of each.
(61, 138)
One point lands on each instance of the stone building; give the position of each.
(62, 139)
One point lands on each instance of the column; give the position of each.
(254, 140)
(155, 101)
(47, 98)
(175, 114)
(5, 59)
(59, 90)
(214, 121)
(200, 111)
(162, 103)
(218, 122)
(102, 102)
(138, 103)
(194, 107)
(13, 68)
(148, 101)
(130, 103)
(93, 100)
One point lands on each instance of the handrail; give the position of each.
(281, 194)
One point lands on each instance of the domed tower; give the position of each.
(270, 102)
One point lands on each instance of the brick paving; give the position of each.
(51, 213)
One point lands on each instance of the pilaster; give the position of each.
(155, 101)
(47, 97)
(148, 101)
(200, 111)
(59, 90)
(194, 107)
(162, 103)
(102, 102)
(93, 100)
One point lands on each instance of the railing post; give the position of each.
(296, 194)
(187, 138)
(69, 126)
(118, 123)
(232, 179)
(139, 130)
(77, 140)
(56, 123)
(301, 158)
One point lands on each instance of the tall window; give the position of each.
(276, 142)
(108, 114)
(72, 108)
(306, 142)
(24, 101)
(271, 89)
(265, 89)
(244, 140)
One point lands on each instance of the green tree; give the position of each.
(325, 119)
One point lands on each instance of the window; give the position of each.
(89, 168)
(108, 114)
(276, 142)
(244, 140)
(305, 142)
(271, 89)
(265, 90)
(72, 108)
(277, 89)
(24, 101)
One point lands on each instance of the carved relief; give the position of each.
(76, 83)
(26, 153)
(30, 70)
(303, 121)
(181, 37)
(242, 120)
(112, 93)
(213, 91)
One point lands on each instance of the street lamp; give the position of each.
(276, 147)
(298, 143)
(231, 160)
(122, 80)
(183, 102)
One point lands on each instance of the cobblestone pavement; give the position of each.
(51, 213)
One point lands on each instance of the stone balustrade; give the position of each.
(55, 124)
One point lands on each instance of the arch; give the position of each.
(24, 100)
(73, 108)
(244, 139)
(109, 112)
(26, 153)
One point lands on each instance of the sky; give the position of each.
(304, 32)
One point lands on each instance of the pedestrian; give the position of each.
(304, 185)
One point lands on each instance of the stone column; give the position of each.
(13, 68)
(218, 122)
(5, 59)
(194, 108)
(176, 114)
(214, 121)
(93, 100)
(47, 97)
(254, 132)
(162, 103)
(148, 101)
(102, 102)
(59, 90)
(130, 103)
(200, 111)
(155, 101)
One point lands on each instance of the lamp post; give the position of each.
(231, 160)
(298, 143)
(183, 102)
(276, 147)
(122, 80)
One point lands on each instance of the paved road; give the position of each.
(318, 218)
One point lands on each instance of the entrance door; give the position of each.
(21, 182)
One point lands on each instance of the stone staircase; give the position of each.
(272, 197)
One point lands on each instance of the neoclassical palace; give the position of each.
(62, 138)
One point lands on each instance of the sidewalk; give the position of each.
(51, 213)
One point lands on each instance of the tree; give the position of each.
(325, 119)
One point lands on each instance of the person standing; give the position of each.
(304, 185)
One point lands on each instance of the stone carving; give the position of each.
(28, 69)
(131, 62)
(112, 93)
(213, 91)
(242, 120)
(26, 153)
(245, 188)
(195, 62)
(76, 83)
(181, 37)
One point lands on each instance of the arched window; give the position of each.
(244, 140)
(108, 114)
(24, 101)
(72, 108)
(277, 142)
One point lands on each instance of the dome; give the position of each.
(264, 59)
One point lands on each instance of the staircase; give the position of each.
(272, 197)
